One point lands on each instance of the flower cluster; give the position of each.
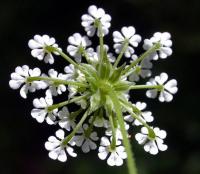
(99, 84)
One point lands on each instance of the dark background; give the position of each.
(22, 138)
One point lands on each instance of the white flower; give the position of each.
(89, 21)
(57, 151)
(143, 70)
(38, 46)
(128, 33)
(19, 78)
(116, 155)
(164, 40)
(40, 112)
(169, 88)
(86, 142)
(65, 120)
(77, 44)
(146, 116)
(152, 146)
(56, 89)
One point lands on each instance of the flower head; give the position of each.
(128, 35)
(115, 156)
(152, 145)
(57, 151)
(164, 40)
(78, 45)
(41, 112)
(90, 21)
(166, 92)
(39, 45)
(19, 78)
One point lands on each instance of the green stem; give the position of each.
(101, 45)
(133, 70)
(73, 115)
(56, 81)
(110, 116)
(125, 45)
(101, 40)
(159, 87)
(66, 57)
(75, 99)
(135, 116)
(69, 137)
(143, 56)
(130, 158)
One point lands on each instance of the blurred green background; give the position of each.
(22, 138)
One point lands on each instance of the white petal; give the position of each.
(39, 103)
(148, 116)
(165, 96)
(111, 160)
(62, 156)
(117, 37)
(151, 93)
(53, 155)
(33, 44)
(38, 114)
(70, 151)
(50, 146)
(85, 147)
(141, 138)
(15, 84)
(128, 32)
(105, 141)
(171, 86)
(24, 91)
(60, 134)
(92, 10)
(103, 153)
(49, 58)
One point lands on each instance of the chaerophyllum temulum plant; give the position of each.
(100, 87)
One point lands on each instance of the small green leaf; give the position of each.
(116, 74)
